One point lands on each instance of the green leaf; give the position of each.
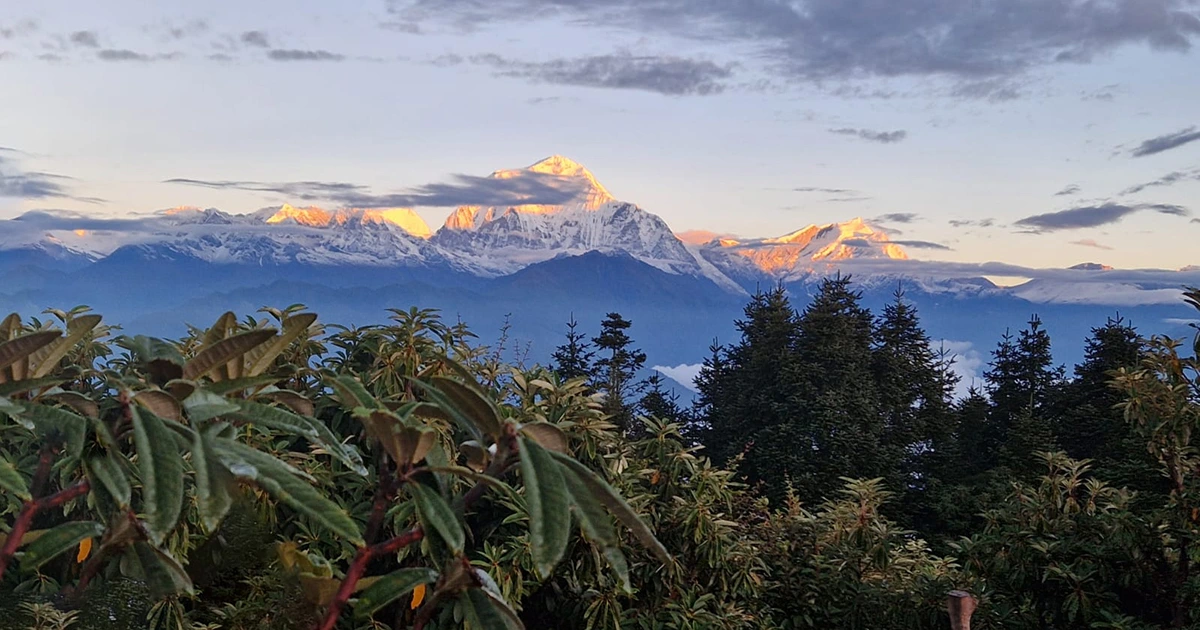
(437, 515)
(56, 423)
(455, 414)
(282, 482)
(164, 575)
(605, 494)
(275, 418)
(483, 610)
(12, 481)
(468, 400)
(241, 384)
(549, 506)
(352, 394)
(48, 357)
(28, 385)
(57, 541)
(14, 350)
(345, 453)
(161, 468)
(597, 525)
(391, 587)
(203, 405)
(293, 328)
(547, 436)
(620, 566)
(213, 480)
(106, 471)
(224, 351)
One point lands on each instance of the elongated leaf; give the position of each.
(203, 405)
(547, 436)
(448, 408)
(240, 384)
(220, 329)
(213, 481)
(46, 359)
(161, 468)
(293, 328)
(31, 384)
(105, 471)
(275, 418)
(391, 587)
(12, 481)
(620, 566)
(437, 515)
(280, 480)
(549, 506)
(484, 611)
(470, 401)
(54, 422)
(604, 493)
(160, 403)
(80, 403)
(164, 575)
(58, 541)
(328, 441)
(19, 349)
(596, 523)
(10, 326)
(351, 393)
(296, 402)
(224, 351)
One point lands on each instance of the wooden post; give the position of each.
(960, 605)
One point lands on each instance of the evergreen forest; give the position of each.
(274, 471)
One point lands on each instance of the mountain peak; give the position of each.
(1091, 266)
(559, 165)
(592, 195)
(312, 216)
(815, 243)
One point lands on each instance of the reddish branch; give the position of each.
(31, 510)
(359, 566)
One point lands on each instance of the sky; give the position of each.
(1042, 133)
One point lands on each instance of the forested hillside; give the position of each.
(276, 471)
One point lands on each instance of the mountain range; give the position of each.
(539, 264)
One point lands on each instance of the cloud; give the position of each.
(885, 137)
(923, 245)
(898, 217)
(257, 39)
(1166, 142)
(20, 184)
(280, 54)
(820, 40)
(187, 29)
(1068, 191)
(121, 54)
(966, 363)
(684, 374)
(828, 191)
(668, 75)
(983, 223)
(18, 29)
(527, 189)
(1166, 180)
(1087, 242)
(87, 39)
(1092, 216)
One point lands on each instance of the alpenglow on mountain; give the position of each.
(533, 266)
(482, 241)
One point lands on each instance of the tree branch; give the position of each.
(30, 510)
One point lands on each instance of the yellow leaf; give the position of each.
(418, 596)
(85, 550)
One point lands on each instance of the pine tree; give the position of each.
(574, 358)
(1023, 384)
(1090, 426)
(746, 388)
(660, 402)
(616, 370)
(828, 425)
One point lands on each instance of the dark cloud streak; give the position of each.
(883, 137)
(668, 75)
(1092, 216)
(279, 54)
(1166, 142)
